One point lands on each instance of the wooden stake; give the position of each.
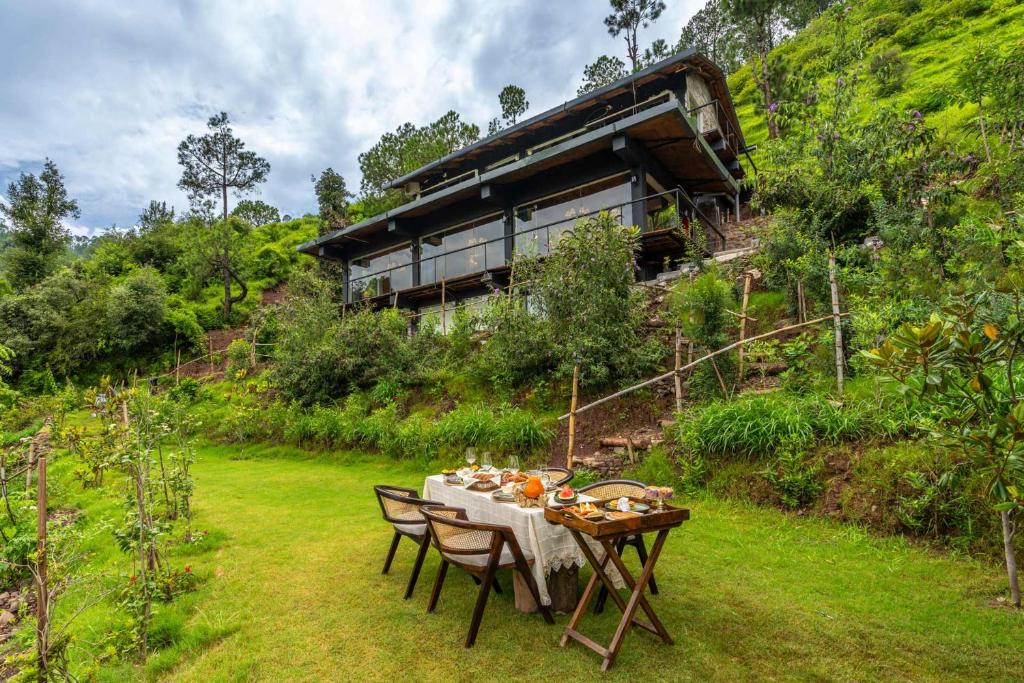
(42, 591)
(748, 278)
(800, 305)
(840, 360)
(572, 415)
(444, 325)
(211, 363)
(724, 349)
(177, 368)
(678, 377)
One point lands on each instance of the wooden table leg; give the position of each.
(636, 599)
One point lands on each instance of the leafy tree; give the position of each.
(256, 212)
(712, 33)
(135, 309)
(603, 71)
(405, 150)
(157, 213)
(760, 25)
(584, 290)
(513, 103)
(627, 17)
(658, 51)
(965, 367)
(213, 164)
(33, 218)
(333, 198)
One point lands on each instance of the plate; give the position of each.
(564, 501)
(633, 506)
(500, 496)
(616, 515)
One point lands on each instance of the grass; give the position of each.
(294, 592)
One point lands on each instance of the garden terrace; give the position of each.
(658, 149)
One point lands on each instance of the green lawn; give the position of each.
(294, 592)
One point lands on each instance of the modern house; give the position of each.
(657, 149)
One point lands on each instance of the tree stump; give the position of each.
(563, 587)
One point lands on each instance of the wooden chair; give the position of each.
(401, 507)
(616, 488)
(480, 549)
(560, 476)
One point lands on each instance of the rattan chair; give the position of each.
(481, 550)
(401, 507)
(616, 488)
(560, 476)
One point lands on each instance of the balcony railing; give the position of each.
(722, 124)
(491, 253)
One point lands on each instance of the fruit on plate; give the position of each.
(566, 493)
(534, 488)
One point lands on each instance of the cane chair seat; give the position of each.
(401, 508)
(560, 476)
(614, 488)
(505, 561)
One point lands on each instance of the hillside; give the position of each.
(923, 41)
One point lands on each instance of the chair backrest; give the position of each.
(560, 476)
(401, 505)
(614, 488)
(454, 534)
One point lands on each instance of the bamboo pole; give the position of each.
(42, 591)
(840, 360)
(678, 377)
(211, 362)
(572, 415)
(748, 278)
(724, 349)
(177, 368)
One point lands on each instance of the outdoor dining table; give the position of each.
(552, 546)
(606, 533)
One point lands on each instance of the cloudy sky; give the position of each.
(108, 89)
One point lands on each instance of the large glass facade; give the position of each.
(463, 249)
(381, 274)
(540, 224)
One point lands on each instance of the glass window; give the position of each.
(468, 248)
(540, 225)
(431, 316)
(380, 274)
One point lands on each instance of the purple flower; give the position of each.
(821, 138)
(773, 107)
(916, 114)
(835, 136)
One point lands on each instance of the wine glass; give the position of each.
(486, 462)
(470, 456)
(513, 464)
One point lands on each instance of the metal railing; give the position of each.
(722, 124)
(492, 252)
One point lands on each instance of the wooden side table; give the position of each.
(607, 533)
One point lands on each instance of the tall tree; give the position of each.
(332, 196)
(213, 164)
(405, 150)
(603, 71)
(256, 212)
(712, 32)
(760, 24)
(157, 213)
(513, 103)
(628, 17)
(658, 51)
(33, 218)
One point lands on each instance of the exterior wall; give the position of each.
(698, 94)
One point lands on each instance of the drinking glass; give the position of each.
(513, 464)
(486, 462)
(470, 456)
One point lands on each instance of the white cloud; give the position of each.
(107, 89)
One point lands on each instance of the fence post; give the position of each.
(572, 415)
(748, 277)
(177, 367)
(444, 324)
(210, 341)
(679, 364)
(836, 321)
(42, 592)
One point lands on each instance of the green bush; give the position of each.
(889, 69)
(655, 469)
(752, 426)
(136, 309)
(794, 477)
(239, 357)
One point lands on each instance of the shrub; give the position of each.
(889, 69)
(136, 309)
(322, 355)
(519, 348)
(239, 357)
(794, 477)
(656, 468)
(749, 426)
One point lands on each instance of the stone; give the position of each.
(7, 618)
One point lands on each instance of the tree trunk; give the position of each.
(1009, 528)
(984, 133)
(837, 322)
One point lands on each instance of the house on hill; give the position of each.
(659, 149)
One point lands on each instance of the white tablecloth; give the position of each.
(551, 545)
